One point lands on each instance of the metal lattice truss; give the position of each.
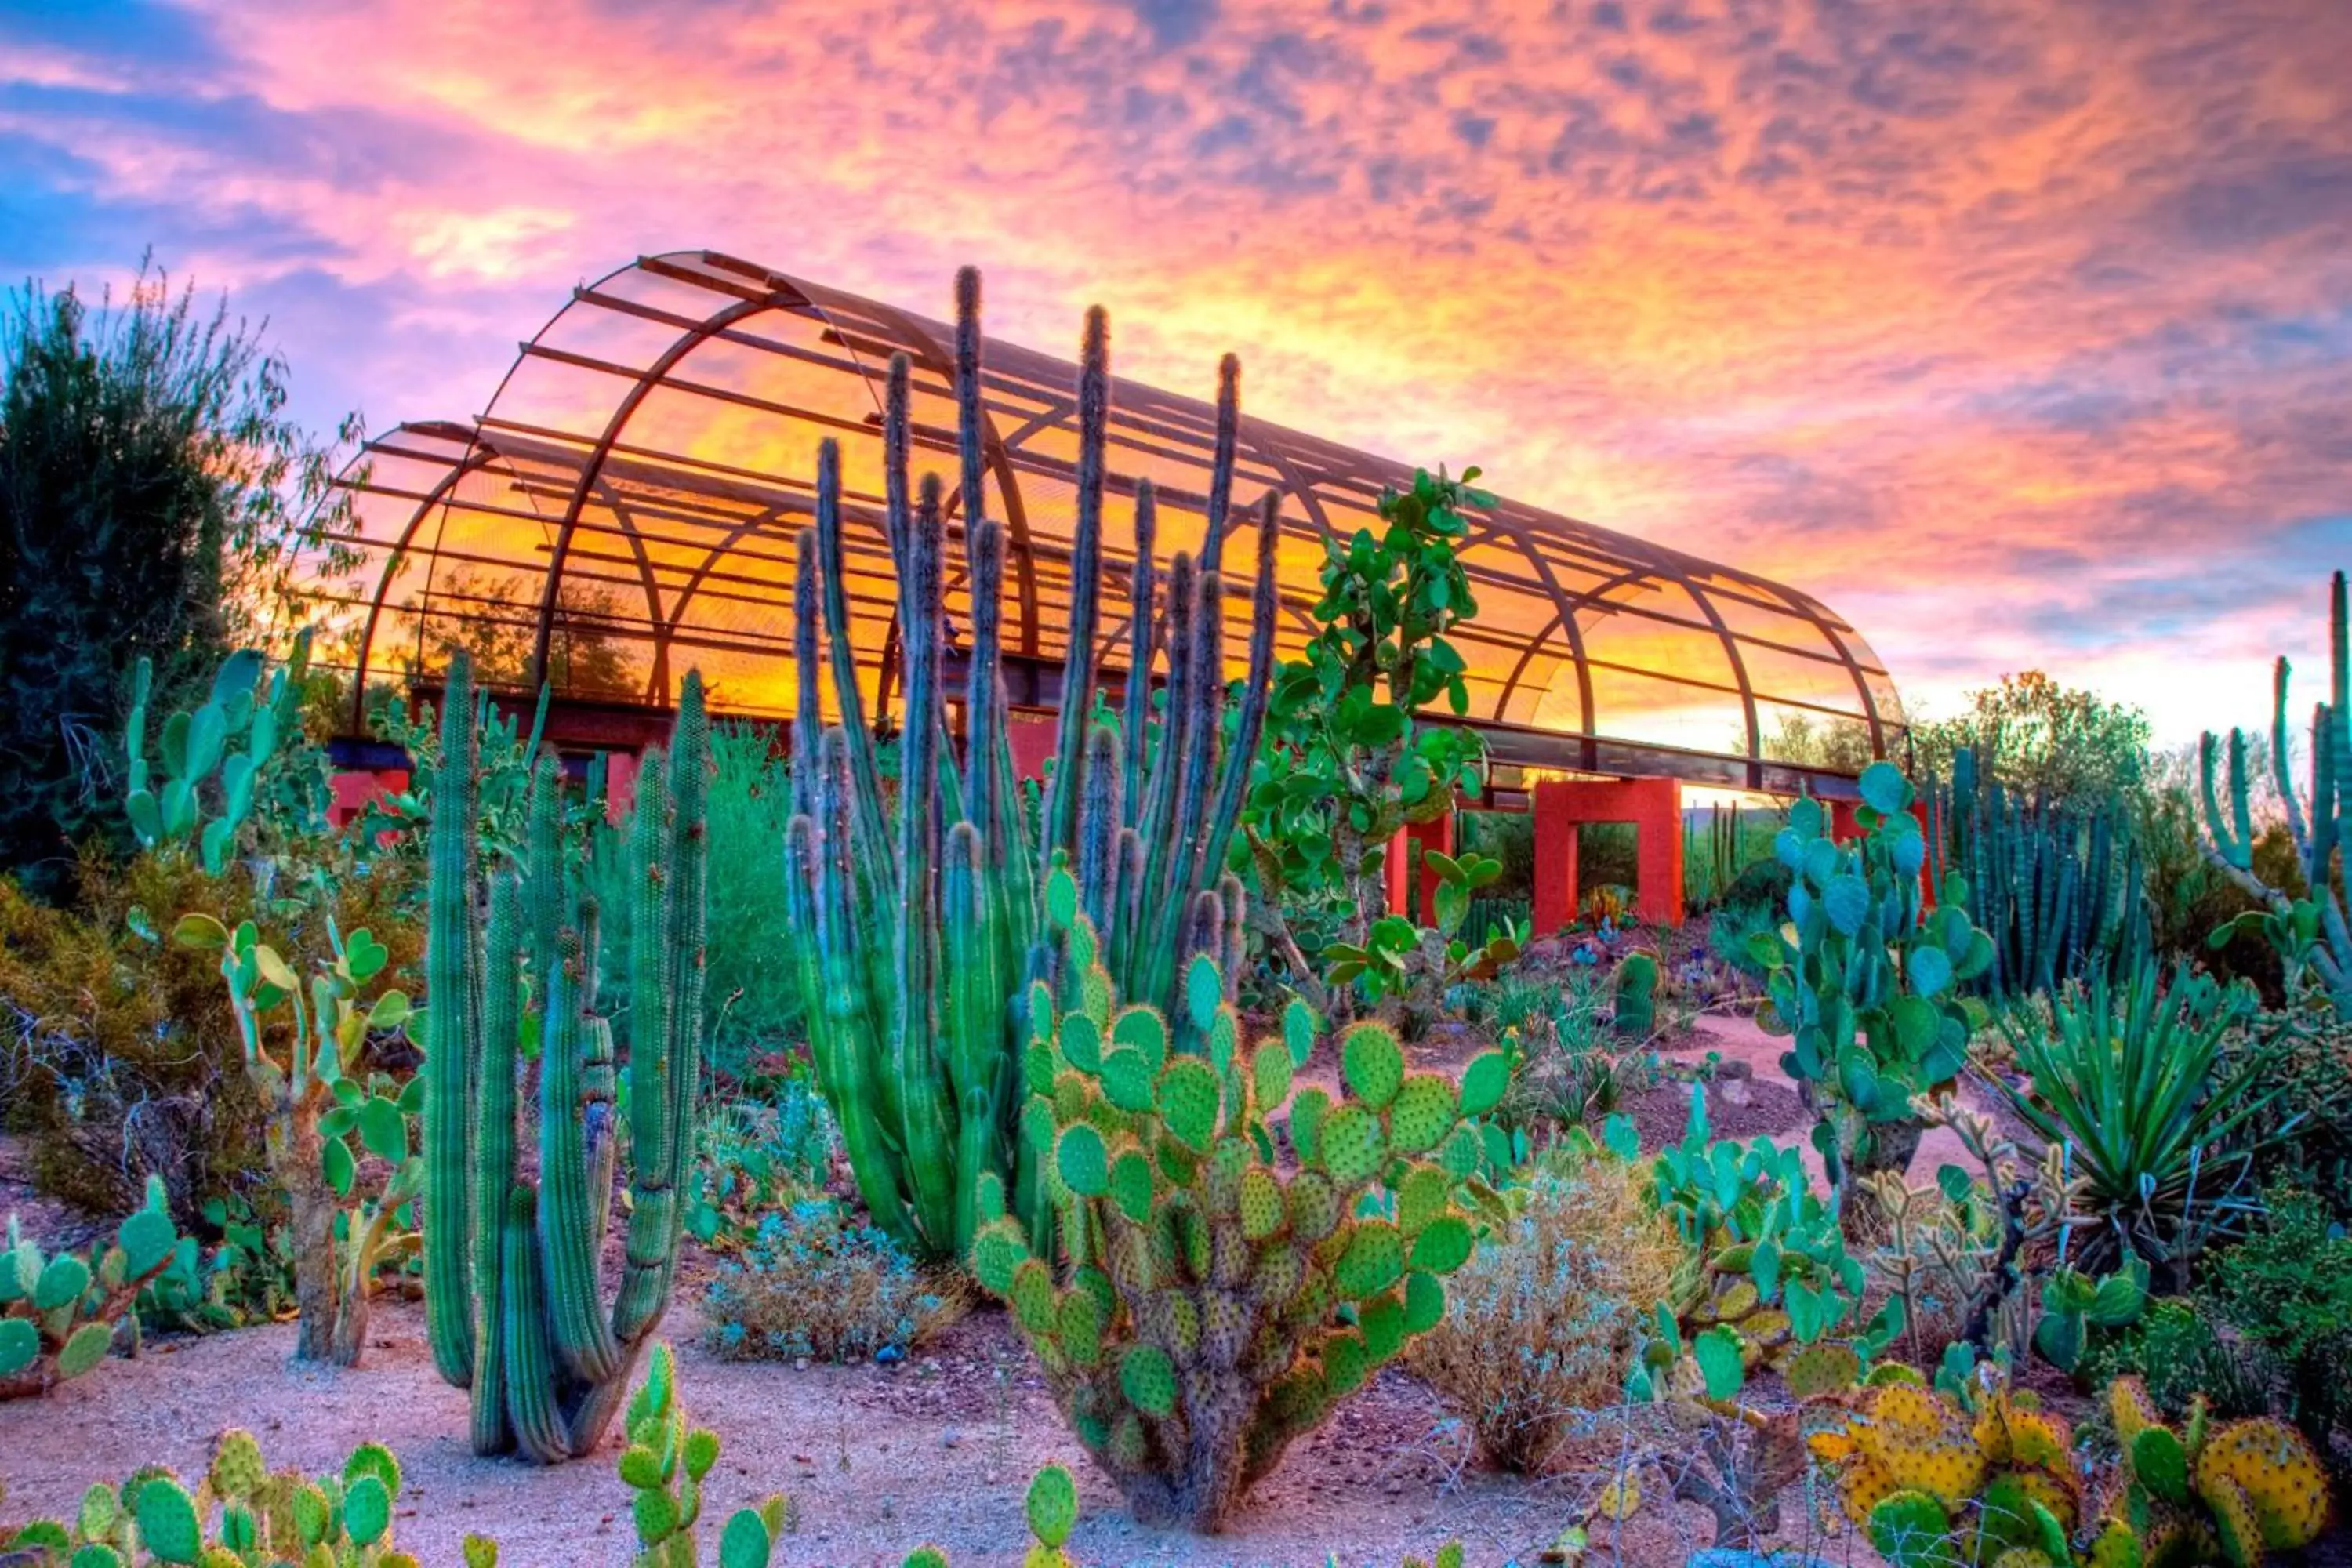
(625, 510)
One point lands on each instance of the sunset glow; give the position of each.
(2021, 335)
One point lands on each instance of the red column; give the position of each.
(1658, 848)
(620, 786)
(1843, 826)
(1554, 904)
(1437, 834)
(354, 790)
(1032, 736)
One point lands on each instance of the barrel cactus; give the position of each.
(921, 912)
(1634, 989)
(58, 1314)
(1213, 1308)
(512, 1271)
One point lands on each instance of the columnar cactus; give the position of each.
(513, 1294)
(58, 1315)
(2212, 1493)
(2050, 889)
(922, 916)
(1634, 989)
(1863, 977)
(2310, 932)
(1215, 1308)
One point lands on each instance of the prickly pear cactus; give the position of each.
(238, 1515)
(59, 1315)
(1213, 1308)
(1863, 977)
(664, 1464)
(1937, 1481)
(2225, 1493)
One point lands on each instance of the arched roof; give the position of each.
(624, 509)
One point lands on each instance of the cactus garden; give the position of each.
(903, 929)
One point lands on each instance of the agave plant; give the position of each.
(2153, 1110)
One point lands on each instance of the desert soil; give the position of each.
(880, 1459)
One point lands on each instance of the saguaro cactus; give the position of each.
(925, 915)
(2310, 933)
(513, 1297)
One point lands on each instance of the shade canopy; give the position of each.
(625, 509)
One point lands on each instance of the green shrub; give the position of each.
(755, 1157)
(2178, 1353)
(1542, 1323)
(2287, 1287)
(817, 1282)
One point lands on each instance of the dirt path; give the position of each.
(877, 1460)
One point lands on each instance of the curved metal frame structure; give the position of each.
(632, 492)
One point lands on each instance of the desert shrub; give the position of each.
(2287, 1287)
(2180, 1356)
(1761, 884)
(118, 1054)
(755, 1157)
(1542, 1320)
(1729, 929)
(2306, 1129)
(820, 1283)
(1569, 1069)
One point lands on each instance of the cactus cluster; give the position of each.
(663, 1466)
(1214, 1308)
(920, 918)
(1771, 1281)
(2311, 933)
(2214, 1492)
(2050, 888)
(240, 1514)
(214, 758)
(1863, 977)
(1050, 1510)
(1939, 1481)
(512, 1265)
(58, 1314)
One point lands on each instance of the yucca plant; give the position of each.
(2154, 1114)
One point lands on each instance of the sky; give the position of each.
(2020, 334)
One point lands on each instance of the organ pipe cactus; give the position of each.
(58, 1315)
(513, 1295)
(923, 912)
(1862, 977)
(2311, 932)
(1215, 1307)
(2047, 881)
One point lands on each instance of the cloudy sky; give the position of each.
(2021, 333)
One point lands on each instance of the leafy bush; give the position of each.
(2181, 1357)
(819, 1283)
(2288, 1288)
(1541, 1323)
(756, 1157)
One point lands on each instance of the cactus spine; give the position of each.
(2310, 933)
(925, 916)
(513, 1288)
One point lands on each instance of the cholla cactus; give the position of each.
(2214, 1493)
(664, 1464)
(512, 1271)
(1862, 976)
(920, 916)
(239, 1515)
(1214, 1309)
(58, 1315)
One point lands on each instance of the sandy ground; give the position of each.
(877, 1461)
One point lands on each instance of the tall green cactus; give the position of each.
(2050, 887)
(513, 1294)
(925, 912)
(2310, 933)
(1862, 977)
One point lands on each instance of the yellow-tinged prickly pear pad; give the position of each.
(2131, 1409)
(1923, 1442)
(2043, 1442)
(2279, 1473)
(1863, 1486)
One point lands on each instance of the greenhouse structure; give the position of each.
(625, 509)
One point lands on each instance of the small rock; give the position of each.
(950, 1438)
